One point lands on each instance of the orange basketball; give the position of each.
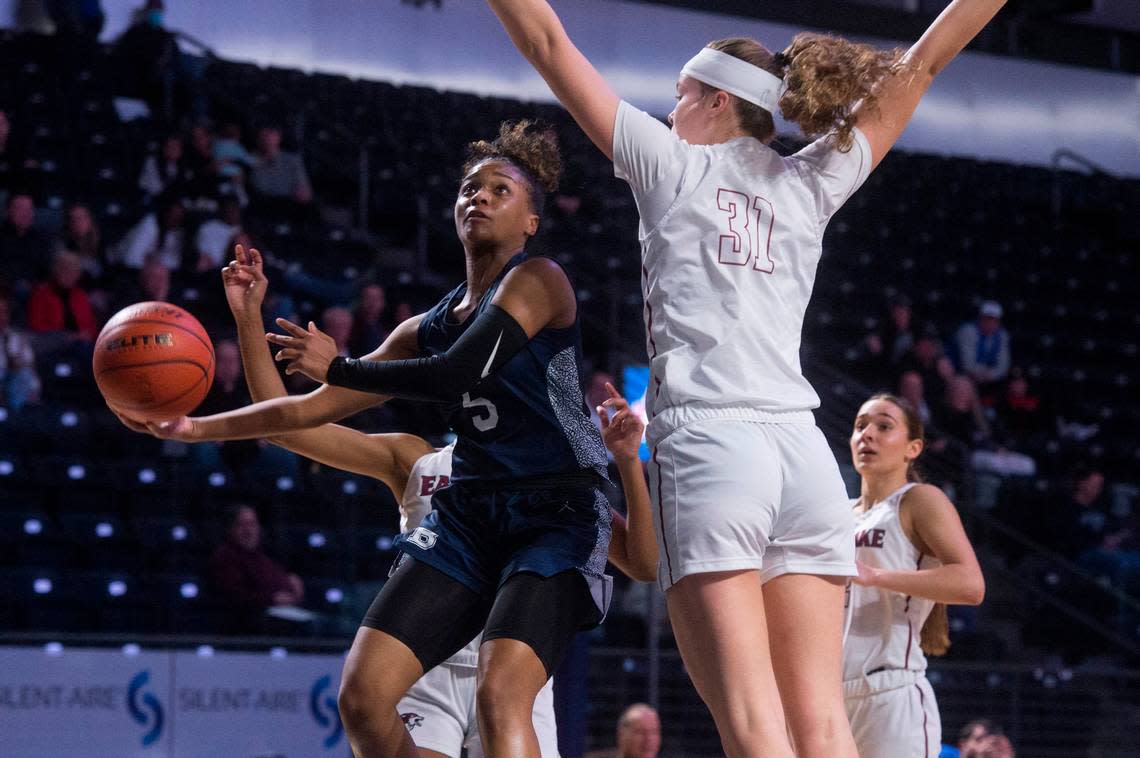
(154, 361)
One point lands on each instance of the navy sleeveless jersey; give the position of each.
(529, 418)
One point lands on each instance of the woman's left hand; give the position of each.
(868, 575)
(308, 351)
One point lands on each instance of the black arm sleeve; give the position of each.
(491, 340)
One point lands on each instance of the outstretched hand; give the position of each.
(622, 429)
(181, 428)
(308, 351)
(245, 283)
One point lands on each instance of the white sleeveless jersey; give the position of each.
(884, 626)
(430, 474)
(731, 236)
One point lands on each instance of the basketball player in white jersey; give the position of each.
(752, 518)
(439, 709)
(913, 558)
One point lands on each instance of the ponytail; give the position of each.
(826, 77)
(934, 639)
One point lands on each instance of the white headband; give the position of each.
(736, 77)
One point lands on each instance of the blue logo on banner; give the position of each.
(324, 710)
(154, 718)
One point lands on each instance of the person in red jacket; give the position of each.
(59, 311)
(244, 575)
(59, 304)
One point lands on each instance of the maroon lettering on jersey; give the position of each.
(430, 484)
(870, 538)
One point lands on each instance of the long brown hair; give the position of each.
(934, 639)
(826, 76)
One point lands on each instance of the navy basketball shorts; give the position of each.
(481, 536)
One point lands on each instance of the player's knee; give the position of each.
(500, 700)
(358, 698)
(750, 726)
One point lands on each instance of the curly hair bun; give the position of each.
(528, 146)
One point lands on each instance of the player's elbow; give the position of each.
(974, 590)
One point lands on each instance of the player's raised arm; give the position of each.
(898, 95)
(633, 546)
(538, 34)
(386, 457)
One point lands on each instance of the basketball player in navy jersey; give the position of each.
(439, 709)
(516, 546)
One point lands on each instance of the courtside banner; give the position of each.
(70, 702)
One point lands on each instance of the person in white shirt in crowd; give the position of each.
(159, 236)
(214, 235)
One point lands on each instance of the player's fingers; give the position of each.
(612, 390)
(617, 403)
(604, 415)
(253, 257)
(290, 327)
(282, 339)
(286, 355)
(239, 253)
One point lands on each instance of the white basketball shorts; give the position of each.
(439, 712)
(893, 714)
(737, 493)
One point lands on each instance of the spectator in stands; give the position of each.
(158, 236)
(9, 163)
(638, 734)
(888, 346)
(205, 182)
(24, 249)
(234, 161)
(983, 738)
(165, 172)
(277, 174)
(146, 59)
(1020, 410)
(337, 323)
(1105, 544)
(983, 349)
(370, 323)
(928, 358)
(961, 414)
(243, 574)
(59, 310)
(215, 235)
(16, 169)
(911, 389)
(81, 235)
(19, 382)
(152, 283)
(80, 21)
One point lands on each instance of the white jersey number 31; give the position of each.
(749, 231)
